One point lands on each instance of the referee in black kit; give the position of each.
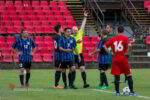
(25, 48)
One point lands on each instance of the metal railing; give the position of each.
(92, 6)
(125, 7)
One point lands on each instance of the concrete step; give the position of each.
(140, 64)
(141, 52)
(139, 58)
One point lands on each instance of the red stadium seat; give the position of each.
(94, 39)
(6, 18)
(57, 13)
(39, 29)
(146, 4)
(44, 3)
(7, 58)
(40, 13)
(18, 3)
(3, 30)
(48, 29)
(45, 23)
(42, 46)
(35, 3)
(11, 30)
(9, 3)
(86, 58)
(36, 23)
(21, 13)
(45, 8)
(37, 58)
(2, 3)
(11, 8)
(46, 52)
(2, 39)
(28, 8)
(39, 39)
(54, 3)
(47, 58)
(37, 8)
(30, 30)
(50, 46)
(148, 40)
(26, 3)
(11, 39)
(28, 23)
(47, 39)
(54, 8)
(61, 3)
(86, 39)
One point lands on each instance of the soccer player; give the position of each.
(119, 45)
(59, 30)
(78, 34)
(25, 48)
(103, 60)
(67, 45)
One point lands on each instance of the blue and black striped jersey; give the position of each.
(25, 49)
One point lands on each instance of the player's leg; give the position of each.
(117, 81)
(63, 67)
(27, 67)
(83, 73)
(21, 76)
(57, 74)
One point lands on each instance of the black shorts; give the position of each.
(25, 65)
(103, 67)
(81, 63)
(65, 65)
(57, 63)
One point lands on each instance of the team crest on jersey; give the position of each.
(71, 41)
(28, 43)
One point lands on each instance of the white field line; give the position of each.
(104, 91)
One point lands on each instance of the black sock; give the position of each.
(126, 77)
(117, 81)
(27, 77)
(105, 79)
(70, 78)
(64, 78)
(101, 79)
(21, 79)
(57, 77)
(73, 76)
(83, 74)
(130, 83)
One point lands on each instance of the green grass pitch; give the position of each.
(41, 83)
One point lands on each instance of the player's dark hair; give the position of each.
(67, 29)
(57, 27)
(120, 29)
(22, 30)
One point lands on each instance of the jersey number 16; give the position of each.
(118, 46)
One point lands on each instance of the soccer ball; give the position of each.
(126, 91)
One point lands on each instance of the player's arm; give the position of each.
(33, 47)
(65, 50)
(84, 21)
(107, 45)
(14, 47)
(61, 46)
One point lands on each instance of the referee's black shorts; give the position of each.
(79, 63)
(25, 65)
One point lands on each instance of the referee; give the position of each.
(78, 54)
(67, 45)
(25, 48)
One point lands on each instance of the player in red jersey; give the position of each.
(119, 45)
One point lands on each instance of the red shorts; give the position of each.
(120, 65)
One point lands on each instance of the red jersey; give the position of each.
(119, 45)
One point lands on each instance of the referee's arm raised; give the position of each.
(84, 21)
